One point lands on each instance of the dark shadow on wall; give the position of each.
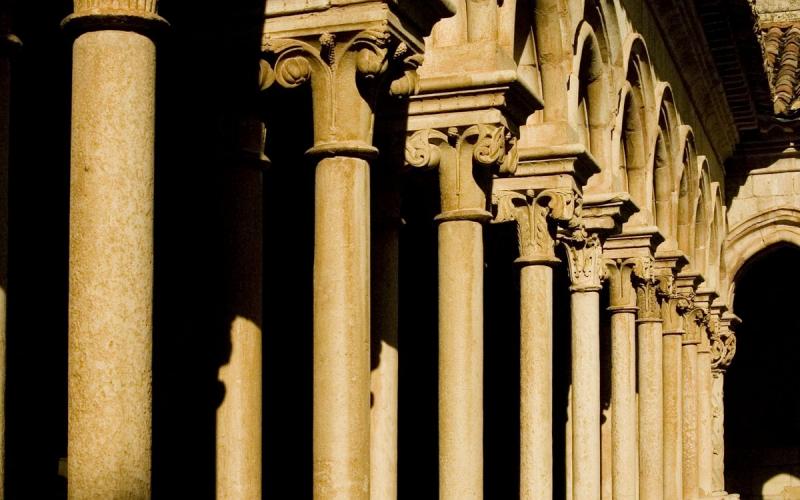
(36, 419)
(762, 411)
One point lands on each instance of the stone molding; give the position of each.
(125, 15)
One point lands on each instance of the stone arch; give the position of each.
(716, 235)
(553, 41)
(756, 234)
(589, 94)
(687, 184)
(662, 163)
(602, 16)
(701, 220)
(631, 133)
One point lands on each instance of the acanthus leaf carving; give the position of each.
(649, 290)
(536, 217)
(584, 259)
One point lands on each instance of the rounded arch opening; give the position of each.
(762, 412)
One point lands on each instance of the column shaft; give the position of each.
(623, 402)
(536, 382)
(239, 415)
(460, 360)
(111, 265)
(651, 411)
(585, 394)
(718, 433)
(673, 412)
(705, 449)
(690, 468)
(341, 329)
(384, 382)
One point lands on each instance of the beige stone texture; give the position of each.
(460, 360)
(111, 265)
(239, 416)
(341, 329)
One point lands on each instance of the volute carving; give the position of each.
(346, 71)
(536, 217)
(584, 259)
(621, 278)
(456, 153)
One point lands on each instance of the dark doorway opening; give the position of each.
(762, 410)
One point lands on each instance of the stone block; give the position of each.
(776, 184)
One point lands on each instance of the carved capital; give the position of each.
(620, 274)
(466, 158)
(346, 70)
(536, 217)
(723, 348)
(584, 259)
(650, 292)
(695, 324)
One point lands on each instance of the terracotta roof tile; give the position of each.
(781, 46)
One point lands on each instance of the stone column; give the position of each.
(672, 310)
(343, 68)
(651, 395)
(238, 461)
(723, 348)
(623, 309)
(705, 449)
(385, 355)
(584, 255)
(463, 189)
(690, 342)
(535, 216)
(111, 249)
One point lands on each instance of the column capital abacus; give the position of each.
(124, 15)
(537, 215)
(584, 259)
(455, 152)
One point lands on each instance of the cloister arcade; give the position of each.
(379, 249)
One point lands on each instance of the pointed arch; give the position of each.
(701, 222)
(686, 161)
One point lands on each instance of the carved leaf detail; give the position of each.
(422, 148)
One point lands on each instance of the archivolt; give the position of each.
(774, 227)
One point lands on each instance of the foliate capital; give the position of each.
(649, 291)
(466, 158)
(620, 274)
(346, 70)
(584, 259)
(536, 217)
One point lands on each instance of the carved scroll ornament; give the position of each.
(584, 260)
(456, 153)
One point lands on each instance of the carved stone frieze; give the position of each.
(584, 259)
(536, 217)
(456, 153)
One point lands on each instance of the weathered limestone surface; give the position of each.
(111, 265)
